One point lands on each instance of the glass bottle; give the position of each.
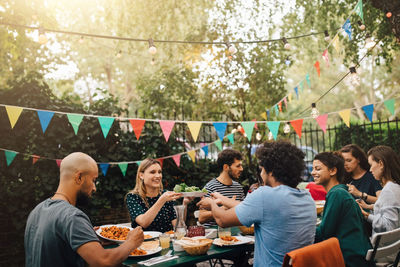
(180, 226)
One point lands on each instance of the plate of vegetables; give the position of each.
(189, 191)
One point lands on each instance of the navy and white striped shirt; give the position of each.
(235, 189)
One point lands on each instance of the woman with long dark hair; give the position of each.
(359, 180)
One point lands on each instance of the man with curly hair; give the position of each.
(284, 217)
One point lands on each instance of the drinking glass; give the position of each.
(164, 240)
(224, 231)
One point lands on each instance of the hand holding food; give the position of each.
(135, 236)
(170, 196)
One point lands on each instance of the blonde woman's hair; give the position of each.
(140, 188)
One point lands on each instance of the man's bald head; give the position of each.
(76, 162)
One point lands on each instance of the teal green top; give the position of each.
(342, 219)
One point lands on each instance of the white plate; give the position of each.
(98, 231)
(318, 221)
(153, 234)
(242, 240)
(149, 252)
(193, 194)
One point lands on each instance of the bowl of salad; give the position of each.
(189, 191)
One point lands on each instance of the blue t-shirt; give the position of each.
(284, 219)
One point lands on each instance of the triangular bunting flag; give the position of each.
(297, 125)
(301, 85)
(205, 149)
(390, 105)
(10, 155)
(166, 127)
(359, 10)
(161, 160)
(105, 124)
(192, 155)
(35, 159)
(325, 55)
(316, 65)
(58, 161)
(177, 159)
(296, 90)
(280, 106)
(290, 97)
(75, 120)
(248, 127)
(321, 120)
(137, 126)
(308, 80)
(220, 127)
(231, 138)
(138, 162)
(369, 111)
(276, 110)
(45, 118)
(123, 167)
(255, 125)
(273, 126)
(345, 115)
(336, 43)
(218, 144)
(264, 115)
(13, 114)
(285, 101)
(268, 115)
(347, 28)
(194, 128)
(104, 168)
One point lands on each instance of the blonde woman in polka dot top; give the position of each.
(149, 205)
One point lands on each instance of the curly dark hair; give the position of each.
(284, 160)
(390, 160)
(333, 160)
(228, 156)
(359, 154)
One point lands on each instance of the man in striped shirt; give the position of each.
(230, 163)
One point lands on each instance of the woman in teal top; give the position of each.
(342, 217)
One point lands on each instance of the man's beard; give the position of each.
(82, 199)
(230, 173)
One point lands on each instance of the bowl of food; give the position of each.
(320, 206)
(195, 246)
(247, 230)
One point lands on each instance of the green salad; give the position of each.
(180, 188)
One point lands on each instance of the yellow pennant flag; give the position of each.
(345, 115)
(194, 128)
(336, 43)
(13, 114)
(264, 115)
(192, 155)
(290, 97)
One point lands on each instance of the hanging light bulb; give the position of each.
(256, 60)
(81, 40)
(287, 61)
(152, 48)
(239, 127)
(153, 61)
(327, 37)
(389, 14)
(361, 26)
(231, 48)
(369, 43)
(354, 78)
(233, 130)
(258, 136)
(42, 36)
(270, 136)
(119, 54)
(314, 111)
(286, 128)
(286, 45)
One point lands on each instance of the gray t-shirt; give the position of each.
(54, 231)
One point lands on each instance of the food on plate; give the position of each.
(229, 238)
(114, 232)
(247, 230)
(138, 252)
(170, 232)
(180, 188)
(150, 245)
(147, 236)
(225, 240)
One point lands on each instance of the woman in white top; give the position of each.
(385, 166)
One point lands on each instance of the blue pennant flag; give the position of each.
(347, 28)
(45, 118)
(104, 168)
(369, 111)
(205, 149)
(220, 127)
(268, 115)
(297, 92)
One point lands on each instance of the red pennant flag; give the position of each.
(161, 160)
(297, 125)
(137, 126)
(280, 106)
(325, 55)
(166, 127)
(34, 159)
(58, 162)
(177, 159)
(255, 125)
(316, 65)
(322, 119)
